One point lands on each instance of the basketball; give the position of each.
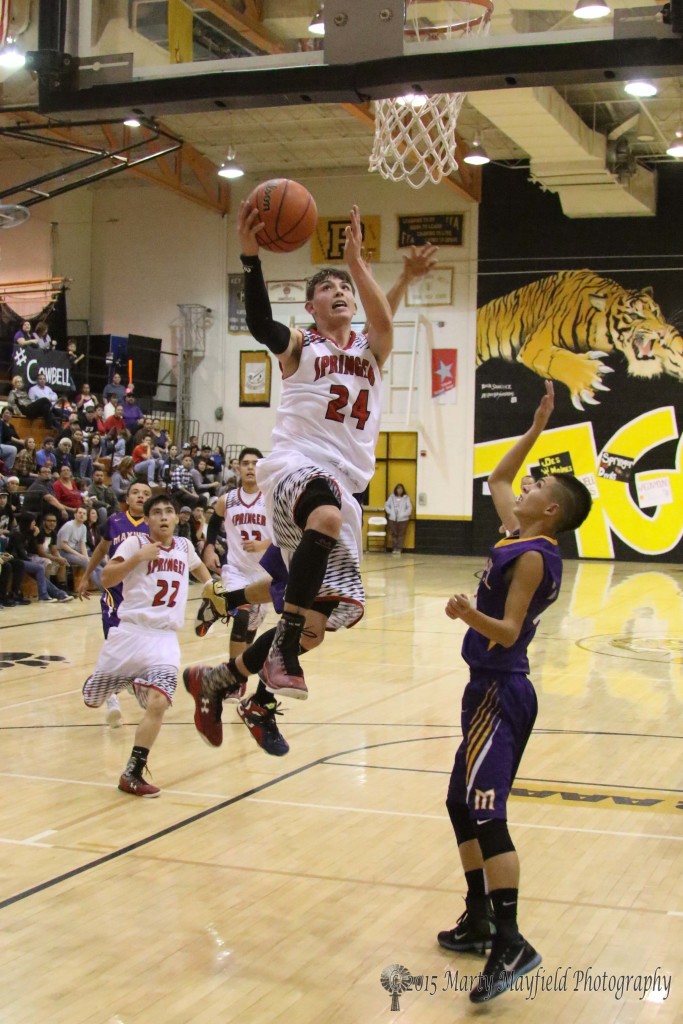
(288, 212)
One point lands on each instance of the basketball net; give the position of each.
(415, 137)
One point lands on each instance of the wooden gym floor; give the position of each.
(262, 890)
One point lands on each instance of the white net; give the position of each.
(415, 134)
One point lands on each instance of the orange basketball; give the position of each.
(288, 212)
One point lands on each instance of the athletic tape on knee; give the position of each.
(463, 826)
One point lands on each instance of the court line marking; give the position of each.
(100, 785)
(441, 817)
(37, 700)
(56, 880)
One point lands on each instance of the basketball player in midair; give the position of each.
(521, 579)
(142, 651)
(117, 528)
(323, 452)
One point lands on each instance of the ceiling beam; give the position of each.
(249, 24)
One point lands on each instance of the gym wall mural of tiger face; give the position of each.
(617, 361)
(563, 326)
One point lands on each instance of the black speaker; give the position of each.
(146, 356)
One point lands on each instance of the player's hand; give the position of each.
(249, 224)
(353, 232)
(148, 552)
(419, 262)
(250, 545)
(82, 588)
(210, 559)
(457, 606)
(545, 407)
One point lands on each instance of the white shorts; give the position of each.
(282, 477)
(134, 658)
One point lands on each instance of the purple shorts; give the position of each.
(497, 716)
(274, 565)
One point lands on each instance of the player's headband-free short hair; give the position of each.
(249, 451)
(159, 499)
(325, 275)
(574, 499)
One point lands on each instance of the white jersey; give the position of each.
(155, 593)
(245, 519)
(330, 408)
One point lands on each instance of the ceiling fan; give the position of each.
(11, 216)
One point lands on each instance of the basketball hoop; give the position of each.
(415, 139)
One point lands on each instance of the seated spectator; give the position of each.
(143, 461)
(23, 544)
(160, 437)
(66, 490)
(198, 530)
(182, 485)
(42, 390)
(185, 527)
(203, 482)
(15, 496)
(22, 405)
(99, 419)
(10, 442)
(122, 477)
(143, 431)
(87, 419)
(8, 520)
(218, 457)
(92, 531)
(44, 340)
(45, 456)
(40, 495)
(169, 461)
(104, 501)
(61, 411)
(133, 415)
(72, 424)
(25, 465)
(115, 390)
(64, 456)
(97, 449)
(81, 455)
(115, 430)
(25, 335)
(71, 539)
(85, 400)
(11, 578)
(231, 478)
(47, 546)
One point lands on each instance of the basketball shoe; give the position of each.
(114, 717)
(134, 784)
(212, 607)
(282, 673)
(260, 721)
(472, 934)
(209, 687)
(509, 959)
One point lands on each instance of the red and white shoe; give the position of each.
(207, 710)
(137, 786)
(281, 672)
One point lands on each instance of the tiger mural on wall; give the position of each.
(562, 326)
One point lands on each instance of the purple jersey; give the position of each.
(478, 651)
(117, 528)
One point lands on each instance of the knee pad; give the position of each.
(317, 492)
(463, 826)
(240, 626)
(493, 837)
(250, 636)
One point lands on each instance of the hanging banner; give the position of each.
(29, 361)
(444, 374)
(327, 244)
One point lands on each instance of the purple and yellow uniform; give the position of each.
(118, 528)
(499, 703)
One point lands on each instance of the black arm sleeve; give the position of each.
(259, 313)
(213, 529)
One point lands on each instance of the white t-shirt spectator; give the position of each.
(72, 533)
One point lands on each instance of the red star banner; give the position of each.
(444, 371)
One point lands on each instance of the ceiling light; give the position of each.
(317, 25)
(416, 100)
(477, 155)
(588, 10)
(10, 56)
(132, 122)
(640, 87)
(644, 130)
(675, 148)
(229, 168)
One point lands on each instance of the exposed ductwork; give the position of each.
(566, 156)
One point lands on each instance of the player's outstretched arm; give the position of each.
(98, 554)
(283, 342)
(416, 263)
(374, 302)
(500, 480)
